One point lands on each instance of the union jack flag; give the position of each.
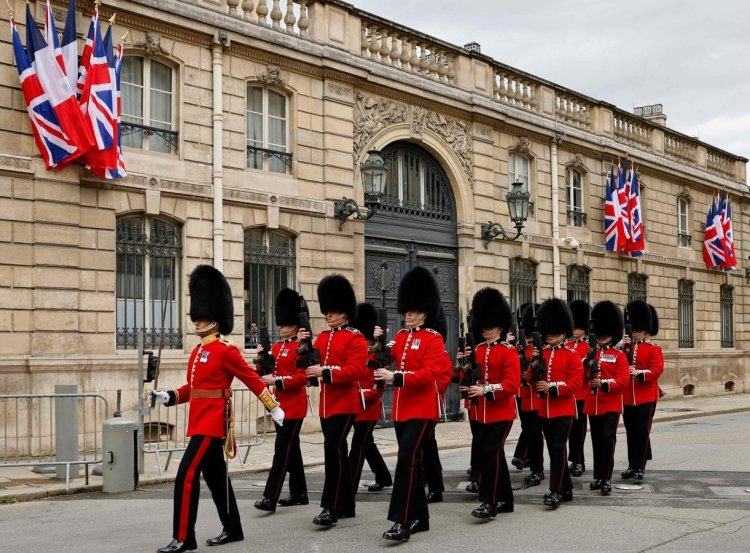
(623, 198)
(70, 48)
(97, 99)
(713, 240)
(611, 213)
(637, 243)
(727, 228)
(53, 144)
(88, 49)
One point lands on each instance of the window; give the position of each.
(522, 283)
(578, 284)
(148, 105)
(267, 132)
(518, 170)
(270, 261)
(727, 317)
(148, 282)
(683, 229)
(574, 189)
(685, 313)
(637, 287)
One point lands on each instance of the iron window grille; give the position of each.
(574, 188)
(685, 314)
(684, 240)
(727, 317)
(578, 284)
(522, 283)
(637, 287)
(267, 130)
(147, 282)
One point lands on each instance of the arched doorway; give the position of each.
(416, 225)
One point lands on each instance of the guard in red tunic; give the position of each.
(496, 407)
(556, 388)
(213, 365)
(581, 314)
(643, 390)
(288, 384)
(419, 356)
(607, 381)
(363, 445)
(343, 354)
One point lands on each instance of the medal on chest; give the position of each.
(284, 352)
(608, 358)
(204, 356)
(415, 343)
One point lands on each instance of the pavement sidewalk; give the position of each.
(21, 484)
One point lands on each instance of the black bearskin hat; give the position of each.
(607, 320)
(438, 323)
(286, 307)
(554, 317)
(581, 314)
(418, 291)
(211, 298)
(490, 309)
(527, 317)
(639, 315)
(336, 295)
(366, 319)
(654, 320)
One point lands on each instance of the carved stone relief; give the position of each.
(272, 76)
(372, 115)
(455, 133)
(523, 146)
(579, 162)
(152, 44)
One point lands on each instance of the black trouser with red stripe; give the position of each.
(408, 500)
(603, 441)
(556, 431)
(494, 478)
(364, 449)
(530, 445)
(287, 457)
(476, 450)
(337, 496)
(637, 419)
(577, 435)
(204, 455)
(433, 468)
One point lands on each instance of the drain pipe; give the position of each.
(217, 176)
(555, 214)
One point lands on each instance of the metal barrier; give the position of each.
(30, 434)
(164, 427)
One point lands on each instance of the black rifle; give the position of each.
(520, 346)
(307, 354)
(590, 363)
(381, 349)
(538, 371)
(628, 348)
(264, 360)
(468, 366)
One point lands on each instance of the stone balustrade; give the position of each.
(720, 163)
(293, 19)
(633, 131)
(680, 148)
(572, 110)
(515, 90)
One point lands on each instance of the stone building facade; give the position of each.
(246, 121)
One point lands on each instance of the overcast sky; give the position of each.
(692, 56)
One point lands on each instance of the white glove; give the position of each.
(277, 414)
(160, 397)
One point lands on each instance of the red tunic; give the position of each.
(615, 376)
(563, 369)
(649, 364)
(290, 379)
(213, 365)
(372, 397)
(419, 355)
(501, 376)
(582, 348)
(343, 357)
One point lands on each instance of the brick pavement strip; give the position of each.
(21, 484)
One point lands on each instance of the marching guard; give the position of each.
(343, 353)
(643, 391)
(495, 393)
(581, 311)
(419, 355)
(363, 446)
(213, 365)
(288, 382)
(607, 382)
(556, 389)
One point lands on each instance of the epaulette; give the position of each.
(570, 349)
(507, 345)
(353, 330)
(403, 330)
(433, 331)
(226, 342)
(650, 343)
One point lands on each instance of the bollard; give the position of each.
(120, 455)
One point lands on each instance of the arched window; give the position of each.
(268, 130)
(574, 193)
(148, 271)
(270, 263)
(519, 169)
(685, 313)
(684, 238)
(522, 282)
(149, 108)
(578, 284)
(637, 287)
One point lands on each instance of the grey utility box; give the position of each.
(120, 455)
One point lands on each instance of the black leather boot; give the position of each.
(325, 518)
(485, 511)
(177, 546)
(398, 532)
(225, 537)
(294, 500)
(266, 504)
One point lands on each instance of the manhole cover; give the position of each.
(628, 486)
(677, 409)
